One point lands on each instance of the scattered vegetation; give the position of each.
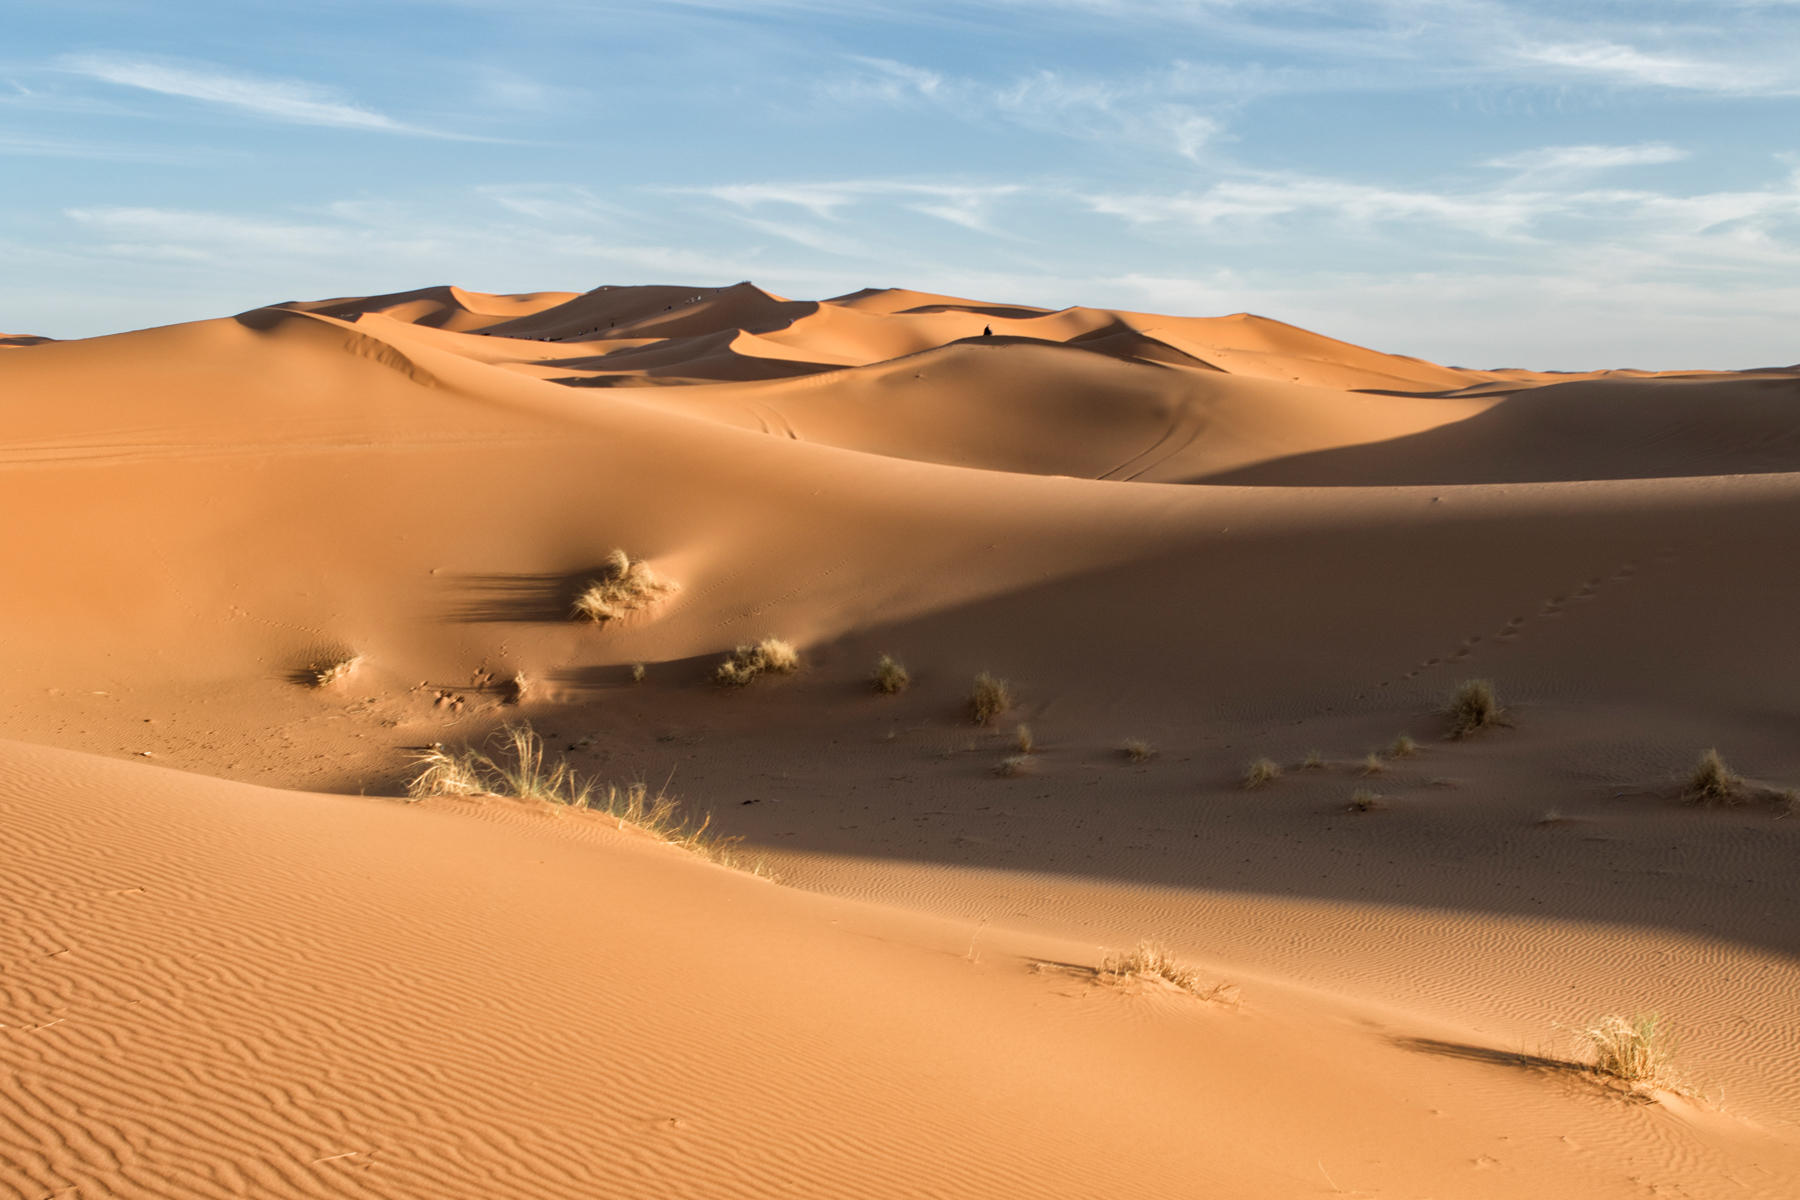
(1473, 708)
(1261, 773)
(1023, 739)
(771, 656)
(519, 768)
(891, 677)
(637, 672)
(334, 672)
(625, 586)
(1362, 800)
(1712, 782)
(1403, 747)
(988, 698)
(1372, 764)
(1314, 761)
(1137, 750)
(1635, 1050)
(1150, 961)
(521, 688)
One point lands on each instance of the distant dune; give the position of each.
(233, 963)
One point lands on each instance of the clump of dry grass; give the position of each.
(891, 676)
(988, 698)
(1372, 764)
(1403, 746)
(324, 675)
(1261, 773)
(1023, 739)
(771, 656)
(1150, 961)
(521, 688)
(519, 768)
(1362, 800)
(625, 586)
(1712, 782)
(1137, 750)
(1013, 765)
(1314, 761)
(1474, 707)
(1637, 1050)
(637, 672)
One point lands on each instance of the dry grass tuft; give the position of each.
(1712, 782)
(625, 586)
(771, 656)
(1372, 764)
(1137, 750)
(1013, 765)
(891, 677)
(1362, 800)
(637, 672)
(988, 698)
(325, 675)
(519, 768)
(1637, 1050)
(521, 688)
(1149, 961)
(1261, 773)
(1023, 740)
(1403, 747)
(1474, 707)
(1314, 761)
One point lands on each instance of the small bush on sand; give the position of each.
(519, 768)
(1372, 764)
(890, 678)
(1023, 739)
(1712, 782)
(1637, 1050)
(334, 672)
(1137, 750)
(771, 656)
(1149, 961)
(1473, 707)
(521, 688)
(637, 672)
(1314, 761)
(1261, 773)
(1013, 765)
(1362, 800)
(1403, 747)
(625, 586)
(988, 698)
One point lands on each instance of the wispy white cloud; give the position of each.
(967, 205)
(33, 146)
(284, 100)
(1588, 158)
(1625, 64)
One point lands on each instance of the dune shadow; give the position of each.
(519, 597)
(1467, 1052)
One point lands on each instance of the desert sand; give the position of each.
(237, 959)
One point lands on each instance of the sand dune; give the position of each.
(1226, 537)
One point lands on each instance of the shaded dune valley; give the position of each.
(687, 742)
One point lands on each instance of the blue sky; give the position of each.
(1479, 182)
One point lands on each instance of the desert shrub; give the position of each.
(1637, 1050)
(442, 773)
(988, 698)
(1137, 750)
(521, 688)
(637, 672)
(625, 586)
(1151, 961)
(1372, 764)
(1023, 739)
(1314, 761)
(1712, 782)
(1362, 800)
(891, 677)
(1262, 772)
(771, 656)
(1403, 747)
(1474, 707)
(324, 675)
(1013, 765)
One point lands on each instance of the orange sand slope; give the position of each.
(1225, 537)
(213, 990)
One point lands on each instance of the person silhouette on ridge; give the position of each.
(987, 331)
